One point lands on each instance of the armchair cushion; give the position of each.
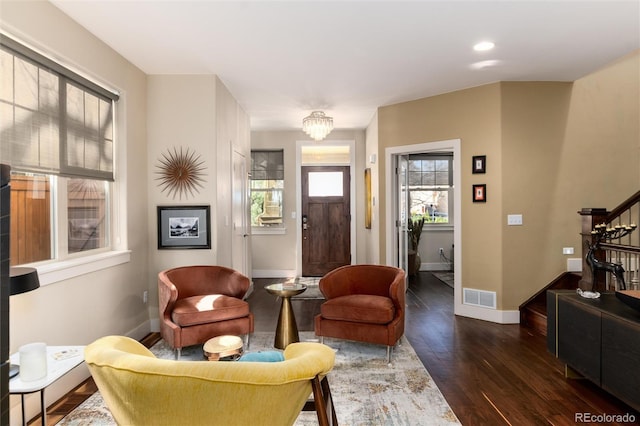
(359, 308)
(204, 309)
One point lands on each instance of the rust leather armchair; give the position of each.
(200, 302)
(365, 303)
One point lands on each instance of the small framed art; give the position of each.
(480, 193)
(479, 164)
(184, 227)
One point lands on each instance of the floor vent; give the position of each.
(486, 299)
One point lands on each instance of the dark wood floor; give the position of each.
(490, 374)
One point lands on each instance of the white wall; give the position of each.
(276, 255)
(109, 301)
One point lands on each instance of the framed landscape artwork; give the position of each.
(184, 227)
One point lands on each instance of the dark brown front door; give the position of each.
(326, 219)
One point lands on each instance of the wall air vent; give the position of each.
(485, 299)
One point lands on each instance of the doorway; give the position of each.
(398, 210)
(241, 261)
(330, 156)
(326, 217)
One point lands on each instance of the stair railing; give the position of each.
(623, 251)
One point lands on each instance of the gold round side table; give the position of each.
(287, 329)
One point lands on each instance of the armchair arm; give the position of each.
(167, 295)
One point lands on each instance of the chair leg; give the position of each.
(323, 402)
(247, 341)
(322, 339)
(177, 352)
(388, 354)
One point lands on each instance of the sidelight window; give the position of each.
(267, 186)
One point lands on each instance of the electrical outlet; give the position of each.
(441, 250)
(145, 297)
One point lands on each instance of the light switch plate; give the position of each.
(567, 250)
(514, 219)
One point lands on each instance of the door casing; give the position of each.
(352, 162)
(391, 197)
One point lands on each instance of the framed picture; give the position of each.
(184, 227)
(480, 193)
(367, 199)
(479, 164)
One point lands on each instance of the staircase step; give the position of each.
(535, 319)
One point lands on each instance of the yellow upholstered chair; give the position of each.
(140, 389)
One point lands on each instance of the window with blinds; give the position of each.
(430, 187)
(267, 184)
(57, 134)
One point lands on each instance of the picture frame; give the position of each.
(184, 227)
(479, 164)
(480, 193)
(368, 199)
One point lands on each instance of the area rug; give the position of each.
(445, 277)
(366, 390)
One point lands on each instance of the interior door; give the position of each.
(240, 215)
(402, 212)
(326, 219)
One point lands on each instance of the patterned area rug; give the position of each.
(445, 277)
(366, 390)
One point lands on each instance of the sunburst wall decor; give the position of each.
(180, 173)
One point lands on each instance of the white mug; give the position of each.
(33, 361)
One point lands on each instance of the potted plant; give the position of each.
(414, 228)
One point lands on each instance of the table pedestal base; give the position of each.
(287, 330)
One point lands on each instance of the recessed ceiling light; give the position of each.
(484, 46)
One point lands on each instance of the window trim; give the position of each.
(275, 229)
(74, 265)
(448, 226)
(53, 271)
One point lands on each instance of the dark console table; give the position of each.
(597, 338)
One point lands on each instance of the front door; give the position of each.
(326, 219)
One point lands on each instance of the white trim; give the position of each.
(352, 166)
(268, 230)
(54, 272)
(451, 145)
(274, 273)
(488, 314)
(435, 266)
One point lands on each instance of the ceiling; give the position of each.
(282, 60)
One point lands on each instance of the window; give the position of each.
(267, 183)
(56, 133)
(431, 187)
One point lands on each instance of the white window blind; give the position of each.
(52, 120)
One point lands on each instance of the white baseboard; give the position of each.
(142, 330)
(435, 266)
(486, 314)
(273, 273)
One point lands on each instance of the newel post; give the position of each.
(590, 218)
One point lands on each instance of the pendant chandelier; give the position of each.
(317, 125)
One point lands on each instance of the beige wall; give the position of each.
(473, 116)
(552, 149)
(79, 310)
(276, 255)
